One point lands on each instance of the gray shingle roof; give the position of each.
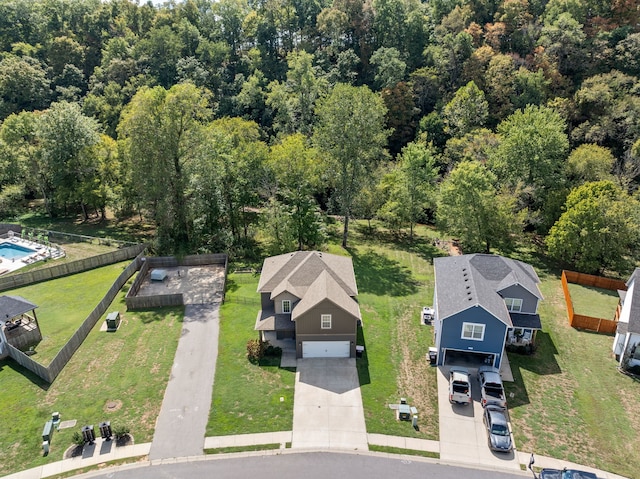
(475, 279)
(634, 312)
(326, 288)
(12, 306)
(294, 272)
(313, 277)
(268, 320)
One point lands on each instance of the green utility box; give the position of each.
(113, 320)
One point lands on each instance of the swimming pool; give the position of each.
(10, 250)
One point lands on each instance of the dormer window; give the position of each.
(286, 306)
(513, 304)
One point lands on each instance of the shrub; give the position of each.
(77, 439)
(120, 431)
(274, 351)
(256, 350)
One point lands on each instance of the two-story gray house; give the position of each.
(310, 296)
(483, 302)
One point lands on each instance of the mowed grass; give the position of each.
(395, 280)
(127, 370)
(64, 303)
(570, 402)
(246, 396)
(592, 301)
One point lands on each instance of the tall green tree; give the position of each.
(466, 111)
(589, 162)
(351, 135)
(66, 137)
(159, 132)
(598, 230)
(408, 187)
(296, 174)
(472, 209)
(295, 99)
(23, 85)
(237, 155)
(532, 151)
(389, 67)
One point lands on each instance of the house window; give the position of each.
(513, 304)
(325, 321)
(473, 331)
(286, 305)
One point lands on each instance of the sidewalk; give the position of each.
(103, 452)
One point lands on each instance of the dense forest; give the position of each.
(226, 121)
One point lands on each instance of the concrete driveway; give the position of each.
(182, 423)
(463, 436)
(327, 410)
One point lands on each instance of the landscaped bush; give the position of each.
(273, 351)
(255, 350)
(120, 431)
(78, 439)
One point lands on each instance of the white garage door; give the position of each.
(325, 349)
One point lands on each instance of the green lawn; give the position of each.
(127, 370)
(592, 301)
(395, 279)
(64, 303)
(246, 397)
(570, 401)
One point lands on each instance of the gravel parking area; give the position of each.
(198, 284)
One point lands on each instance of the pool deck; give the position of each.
(40, 252)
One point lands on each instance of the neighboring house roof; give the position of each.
(12, 306)
(295, 272)
(634, 311)
(325, 287)
(476, 279)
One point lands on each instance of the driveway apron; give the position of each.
(327, 408)
(463, 436)
(181, 425)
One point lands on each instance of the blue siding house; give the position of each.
(483, 302)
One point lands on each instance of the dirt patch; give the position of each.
(416, 378)
(112, 405)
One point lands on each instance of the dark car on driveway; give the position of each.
(498, 429)
(566, 474)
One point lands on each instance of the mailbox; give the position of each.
(105, 430)
(88, 434)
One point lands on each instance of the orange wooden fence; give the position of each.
(600, 325)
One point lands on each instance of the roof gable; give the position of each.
(325, 287)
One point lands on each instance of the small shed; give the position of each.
(159, 275)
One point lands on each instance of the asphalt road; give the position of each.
(316, 465)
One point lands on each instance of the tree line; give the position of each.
(233, 120)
